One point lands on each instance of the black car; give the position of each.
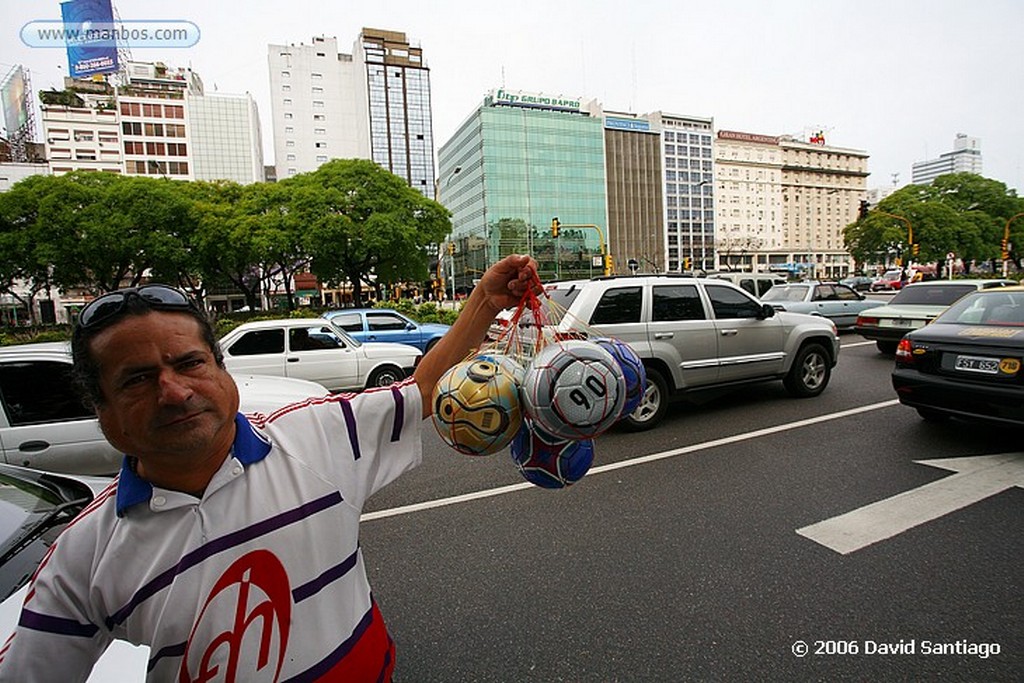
(969, 362)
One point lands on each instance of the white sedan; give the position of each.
(44, 425)
(316, 350)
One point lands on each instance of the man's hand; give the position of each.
(502, 286)
(505, 283)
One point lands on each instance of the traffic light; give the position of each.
(915, 249)
(451, 247)
(608, 269)
(554, 226)
(863, 208)
(687, 263)
(1005, 247)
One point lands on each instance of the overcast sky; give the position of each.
(896, 78)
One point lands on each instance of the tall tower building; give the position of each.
(520, 160)
(371, 104)
(965, 158)
(689, 190)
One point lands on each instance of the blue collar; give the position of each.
(249, 447)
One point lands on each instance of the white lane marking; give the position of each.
(976, 478)
(487, 493)
(860, 343)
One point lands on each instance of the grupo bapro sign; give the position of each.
(537, 100)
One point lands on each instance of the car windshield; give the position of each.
(786, 293)
(31, 516)
(931, 295)
(564, 297)
(345, 336)
(998, 309)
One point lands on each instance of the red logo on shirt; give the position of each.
(255, 590)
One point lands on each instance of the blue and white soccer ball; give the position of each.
(632, 369)
(548, 461)
(573, 389)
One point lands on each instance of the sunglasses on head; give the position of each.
(160, 297)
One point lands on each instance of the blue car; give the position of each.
(387, 325)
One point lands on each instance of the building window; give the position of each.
(321, 145)
(319, 117)
(321, 158)
(286, 74)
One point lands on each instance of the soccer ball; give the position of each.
(550, 462)
(573, 389)
(476, 407)
(632, 370)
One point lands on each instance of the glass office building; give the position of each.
(516, 163)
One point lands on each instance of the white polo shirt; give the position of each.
(260, 580)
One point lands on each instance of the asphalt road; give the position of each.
(688, 565)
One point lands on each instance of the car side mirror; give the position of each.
(410, 326)
(767, 311)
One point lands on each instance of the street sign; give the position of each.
(634, 265)
(976, 478)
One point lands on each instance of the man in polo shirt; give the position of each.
(228, 544)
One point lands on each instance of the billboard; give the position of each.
(14, 93)
(88, 33)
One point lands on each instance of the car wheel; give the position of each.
(384, 376)
(810, 372)
(887, 347)
(929, 415)
(652, 406)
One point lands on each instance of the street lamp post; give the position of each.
(1006, 241)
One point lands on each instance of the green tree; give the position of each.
(278, 234)
(366, 225)
(961, 213)
(26, 253)
(223, 241)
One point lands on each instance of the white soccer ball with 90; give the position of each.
(574, 389)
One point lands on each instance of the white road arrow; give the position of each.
(976, 478)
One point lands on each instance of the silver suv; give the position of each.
(695, 334)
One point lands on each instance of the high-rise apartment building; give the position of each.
(371, 104)
(520, 160)
(965, 158)
(689, 190)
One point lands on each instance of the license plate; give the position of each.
(986, 366)
(895, 323)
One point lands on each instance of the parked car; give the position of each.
(837, 302)
(45, 425)
(697, 334)
(36, 508)
(317, 350)
(387, 325)
(891, 280)
(858, 283)
(969, 362)
(913, 307)
(755, 283)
